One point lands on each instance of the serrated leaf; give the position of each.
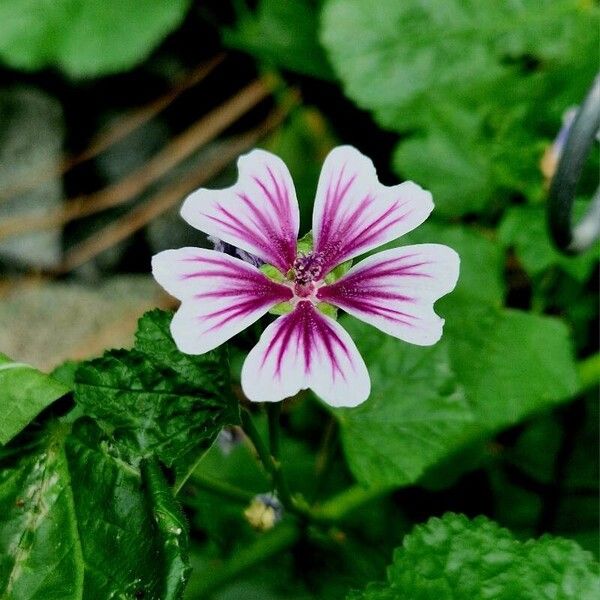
(416, 415)
(84, 37)
(78, 521)
(453, 558)
(24, 393)
(156, 400)
(266, 34)
(207, 373)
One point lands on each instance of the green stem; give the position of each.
(274, 412)
(268, 545)
(325, 455)
(221, 488)
(283, 536)
(338, 507)
(589, 372)
(272, 466)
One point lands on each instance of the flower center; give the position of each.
(307, 269)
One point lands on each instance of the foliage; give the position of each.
(474, 83)
(393, 442)
(84, 37)
(24, 392)
(156, 401)
(454, 558)
(133, 543)
(524, 228)
(128, 475)
(266, 35)
(55, 545)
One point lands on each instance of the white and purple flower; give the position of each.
(306, 348)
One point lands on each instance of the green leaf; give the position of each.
(525, 229)
(434, 158)
(156, 400)
(477, 83)
(416, 414)
(481, 259)
(78, 521)
(84, 37)
(24, 393)
(453, 558)
(415, 53)
(267, 34)
(511, 363)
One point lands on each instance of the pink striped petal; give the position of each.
(258, 214)
(221, 295)
(306, 349)
(394, 290)
(354, 213)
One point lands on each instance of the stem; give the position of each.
(325, 455)
(338, 507)
(221, 488)
(269, 544)
(274, 412)
(282, 537)
(272, 466)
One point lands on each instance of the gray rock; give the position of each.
(46, 324)
(31, 139)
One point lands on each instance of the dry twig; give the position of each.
(117, 131)
(169, 196)
(177, 150)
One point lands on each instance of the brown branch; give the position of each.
(177, 150)
(166, 198)
(117, 131)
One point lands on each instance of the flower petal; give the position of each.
(394, 290)
(258, 214)
(221, 295)
(306, 349)
(354, 213)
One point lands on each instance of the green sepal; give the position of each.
(272, 273)
(283, 308)
(338, 272)
(305, 244)
(327, 309)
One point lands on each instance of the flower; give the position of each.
(549, 162)
(221, 295)
(264, 512)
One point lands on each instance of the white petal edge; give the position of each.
(355, 213)
(265, 223)
(372, 290)
(221, 296)
(263, 381)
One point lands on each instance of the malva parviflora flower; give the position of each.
(305, 347)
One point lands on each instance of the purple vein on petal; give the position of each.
(307, 333)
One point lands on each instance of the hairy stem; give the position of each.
(274, 412)
(272, 466)
(222, 488)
